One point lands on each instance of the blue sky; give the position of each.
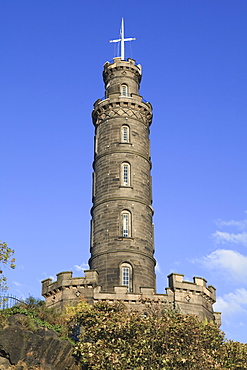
(194, 61)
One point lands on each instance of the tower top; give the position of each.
(122, 39)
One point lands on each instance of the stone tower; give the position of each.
(122, 242)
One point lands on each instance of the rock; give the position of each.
(22, 349)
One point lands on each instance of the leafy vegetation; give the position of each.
(6, 260)
(36, 315)
(116, 338)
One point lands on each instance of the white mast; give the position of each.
(122, 40)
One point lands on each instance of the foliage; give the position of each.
(115, 338)
(36, 315)
(32, 302)
(235, 355)
(6, 260)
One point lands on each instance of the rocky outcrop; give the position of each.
(23, 349)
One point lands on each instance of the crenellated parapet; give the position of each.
(68, 290)
(194, 298)
(199, 285)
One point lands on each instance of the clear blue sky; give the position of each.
(194, 62)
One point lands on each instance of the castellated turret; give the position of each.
(122, 241)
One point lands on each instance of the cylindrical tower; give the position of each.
(122, 241)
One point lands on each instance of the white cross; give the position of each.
(122, 39)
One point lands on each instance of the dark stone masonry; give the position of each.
(122, 263)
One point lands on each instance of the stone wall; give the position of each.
(194, 298)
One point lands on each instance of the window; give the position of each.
(126, 224)
(92, 235)
(126, 275)
(94, 184)
(96, 144)
(125, 134)
(124, 90)
(125, 174)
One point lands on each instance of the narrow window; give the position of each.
(125, 174)
(94, 184)
(124, 90)
(126, 276)
(125, 134)
(125, 220)
(92, 235)
(96, 144)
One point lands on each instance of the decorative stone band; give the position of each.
(133, 200)
(97, 157)
(124, 250)
(104, 109)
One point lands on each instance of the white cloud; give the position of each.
(228, 261)
(53, 278)
(241, 224)
(82, 267)
(232, 303)
(225, 237)
(16, 283)
(231, 236)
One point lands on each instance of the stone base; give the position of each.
(193, 298)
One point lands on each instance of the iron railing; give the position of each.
(8, 301)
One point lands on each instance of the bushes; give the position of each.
(115, 338)
(35, 315)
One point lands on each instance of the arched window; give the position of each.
(126, 224)
(124, 90)
(125, 134)
(125, 174)
(126, 275)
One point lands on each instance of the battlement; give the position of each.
(119, 65)
(199, 285)
(194, 298)
(65, 279)
(67, 290)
